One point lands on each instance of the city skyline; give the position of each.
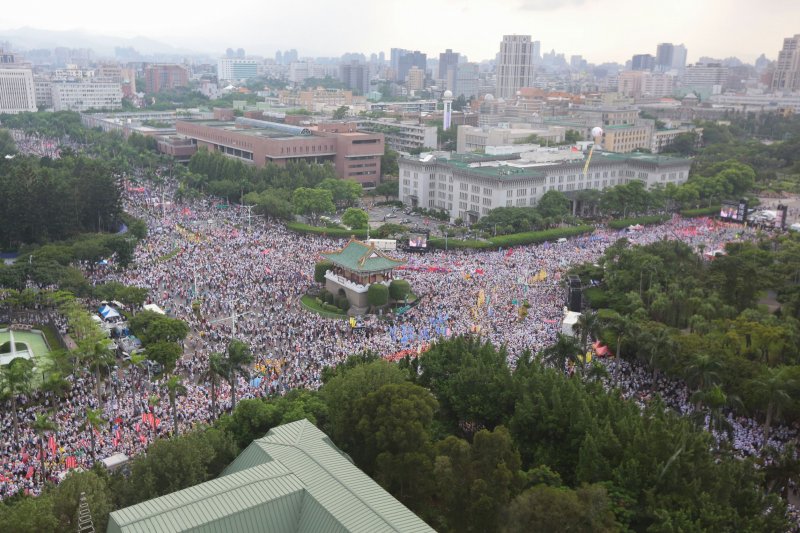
(599, 30)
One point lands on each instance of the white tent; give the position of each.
(113, 461)
(154, 308)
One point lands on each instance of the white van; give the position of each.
(562, 240)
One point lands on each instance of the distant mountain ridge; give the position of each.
(27, 38)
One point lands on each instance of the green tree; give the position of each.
(553, 205)
(377, 295)
(345, 387)
(320, 269)
(175, 387)
(165, 354)
(341, 112)
(389, 167)
(355, 218)
(399, 289)
(543, 508)
(29, 515)
(565, 349)
(16, 380)
(773, 392)
(66, 499)
(94, 422)
(472, 382)
(42, 425)
(394, 427)
(312, 202)
(152, 327)
(213, 375)
(237, 363)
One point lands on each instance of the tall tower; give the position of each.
(447, 98)
(515, 67)
(787, 68)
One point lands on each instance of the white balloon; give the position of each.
(597, 131)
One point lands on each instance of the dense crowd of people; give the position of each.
(248, 280)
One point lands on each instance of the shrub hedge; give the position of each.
(330, 232)
(643, 221)
(702, 212)
(533, 237)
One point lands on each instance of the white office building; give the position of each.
(468, 186)
(85, 95)
(17, 93)
(236, 69)
(404, 135)
(515, 65)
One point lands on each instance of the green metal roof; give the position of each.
(293, 480)
(357, 256)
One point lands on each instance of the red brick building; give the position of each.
(165, 77)
(354, 154)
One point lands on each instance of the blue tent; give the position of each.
(108, 312)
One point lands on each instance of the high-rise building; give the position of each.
(406, 61)
(664, 54)
(466, 80)
(355, 76)
(17, 91)
(536, 52)
(678, 57)
(158, 78)
(394, 60)
(787, 68)
(447, 60)
(415, 79)
(643, 62)
(515, 66)
(237, 68)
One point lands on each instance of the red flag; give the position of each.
(575, 149)
(52, 444)
(142, 438)
(30, 473)
(137, 427)
(157, 422)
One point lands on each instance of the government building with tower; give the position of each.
(468, 186)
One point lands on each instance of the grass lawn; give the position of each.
(310, 303)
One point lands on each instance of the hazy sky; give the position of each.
(600, 30)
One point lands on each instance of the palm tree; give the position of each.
(236, 364)
(660, 348)
(703, 372)
(213, 374)
(42, 425)
(588, 326)
(96, 355)
(565, 349)
(16, 379)
(175, 387)
(134, 364)
(94, 421)
(773, 393)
